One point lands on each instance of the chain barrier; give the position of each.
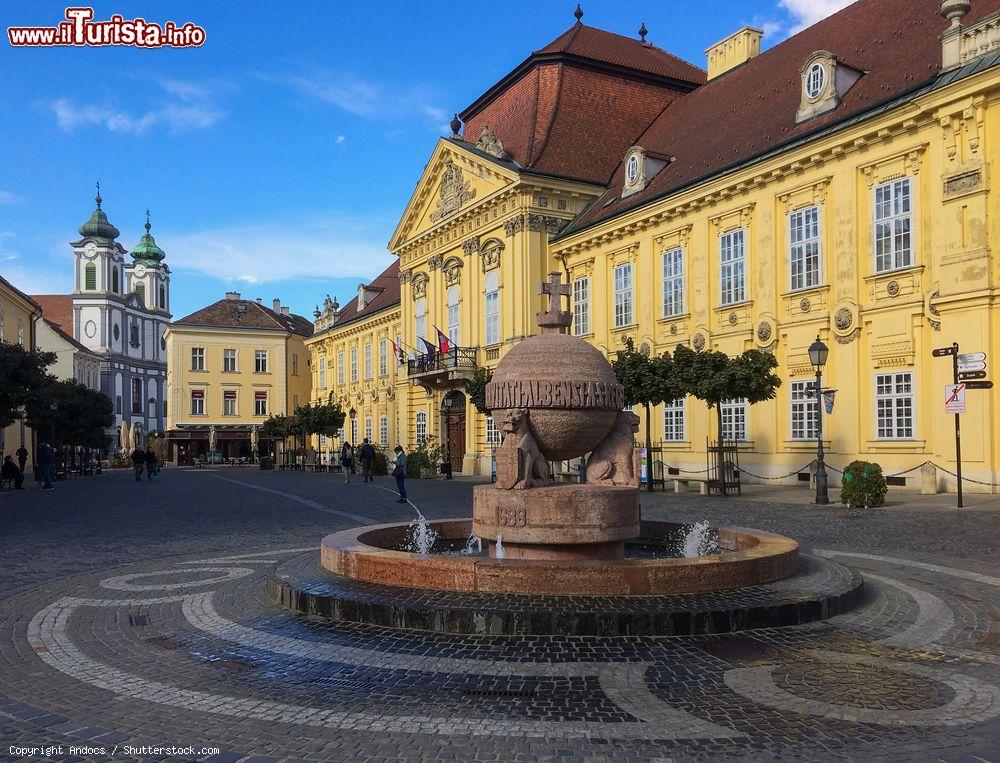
(964, 478)
(782, 477)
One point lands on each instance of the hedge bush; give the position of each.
(863, 485)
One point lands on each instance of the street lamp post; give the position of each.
(818, 353)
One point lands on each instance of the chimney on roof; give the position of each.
(736, 49)
(259, 301)
(233, 296)
(286, 311)
(276, 305)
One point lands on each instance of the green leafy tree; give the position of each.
(22, 375)
(280, 426)
(714, 376)
(69, 413)
(320, 418)
(647, 381)
(476, 388)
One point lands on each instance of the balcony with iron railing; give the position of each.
(458, 363)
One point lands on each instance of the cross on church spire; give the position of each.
(98, 199)
(555, 319)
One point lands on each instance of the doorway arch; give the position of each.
(453, 427)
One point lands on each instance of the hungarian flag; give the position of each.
(444, 343)
(395, 351)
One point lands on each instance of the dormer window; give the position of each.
(641, 166)
(824, 82)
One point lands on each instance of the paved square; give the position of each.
(134, 614)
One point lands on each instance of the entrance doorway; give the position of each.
(453, 421)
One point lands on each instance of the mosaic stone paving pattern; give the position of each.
(187, 649)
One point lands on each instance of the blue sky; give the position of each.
(277, 158)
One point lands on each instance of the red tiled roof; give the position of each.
(751, 109)
(246, 314)
(573, 107)
(627, 52)
(57, 309)
(387, 286)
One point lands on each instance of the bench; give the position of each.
(683, 484)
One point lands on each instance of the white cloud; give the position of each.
(6, 197)
(328, 247)
(192, 108)
(807, 12)
(364, 98)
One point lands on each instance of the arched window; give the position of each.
(163, 297)
(491, 308)
(420, 320)
(454, 316)
(421, 427)
(140, 292)
(90, 276)
(114, 280)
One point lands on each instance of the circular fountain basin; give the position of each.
(748, 558)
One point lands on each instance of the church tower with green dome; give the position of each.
(120, 310)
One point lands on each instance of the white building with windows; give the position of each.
(118, 312)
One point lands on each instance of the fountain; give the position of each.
(563, 558)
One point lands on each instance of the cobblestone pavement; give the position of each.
(134, 614)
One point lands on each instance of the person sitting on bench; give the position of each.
(10, 473)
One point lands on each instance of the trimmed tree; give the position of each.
(320, 418)
(72, 413)
(475, 388)
(22, 376)
(714, 376)
(647, 381)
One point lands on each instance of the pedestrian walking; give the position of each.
(22, 458)
(367, 455)
(347, 460)
(12, 473)
(399, 472)
(138, 462)
(46, 458)
(152, 467)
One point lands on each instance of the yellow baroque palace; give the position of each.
(839, 185)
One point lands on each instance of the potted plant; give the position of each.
(863, 485)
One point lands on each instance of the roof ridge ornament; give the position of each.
(578, 14)
(456, 125)
(98, 198)
(642, 33)
(491, 144)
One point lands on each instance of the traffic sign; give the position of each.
(971, 357)
(942, 351)
(971, 366)
(966, 375)
(954, 398)
(979, 385)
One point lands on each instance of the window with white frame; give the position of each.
(229, 402)
(260, 361)
(260, 403)
(453, 299)
(321, 360)
(803, 400)
(354, 364)
(421, 427)
(894, 405)
(581, 306)
(420, 320)
(734, 420)
(295, 364)
(491, 308)
(493, 434)
(197, 358)
(804, 265)
(673, 420)
(623, 295)
(383, 357)
(368, 429)
(732, 266)
(354, 432)
(383, 430)
(893, 225)
(340, 369)
(229, 360)
(369, 369)
(197, 402)
(673, 282)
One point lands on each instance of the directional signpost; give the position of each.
(969, 372)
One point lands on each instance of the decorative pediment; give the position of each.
(452, 269)
(491, 144)
(489, 252)
(453, 192)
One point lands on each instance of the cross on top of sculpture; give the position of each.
(555, 319)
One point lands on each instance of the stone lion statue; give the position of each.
(520, 463)
(614, 461)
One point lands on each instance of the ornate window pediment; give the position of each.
(419, 285)
(452, 269)
(489, 253)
